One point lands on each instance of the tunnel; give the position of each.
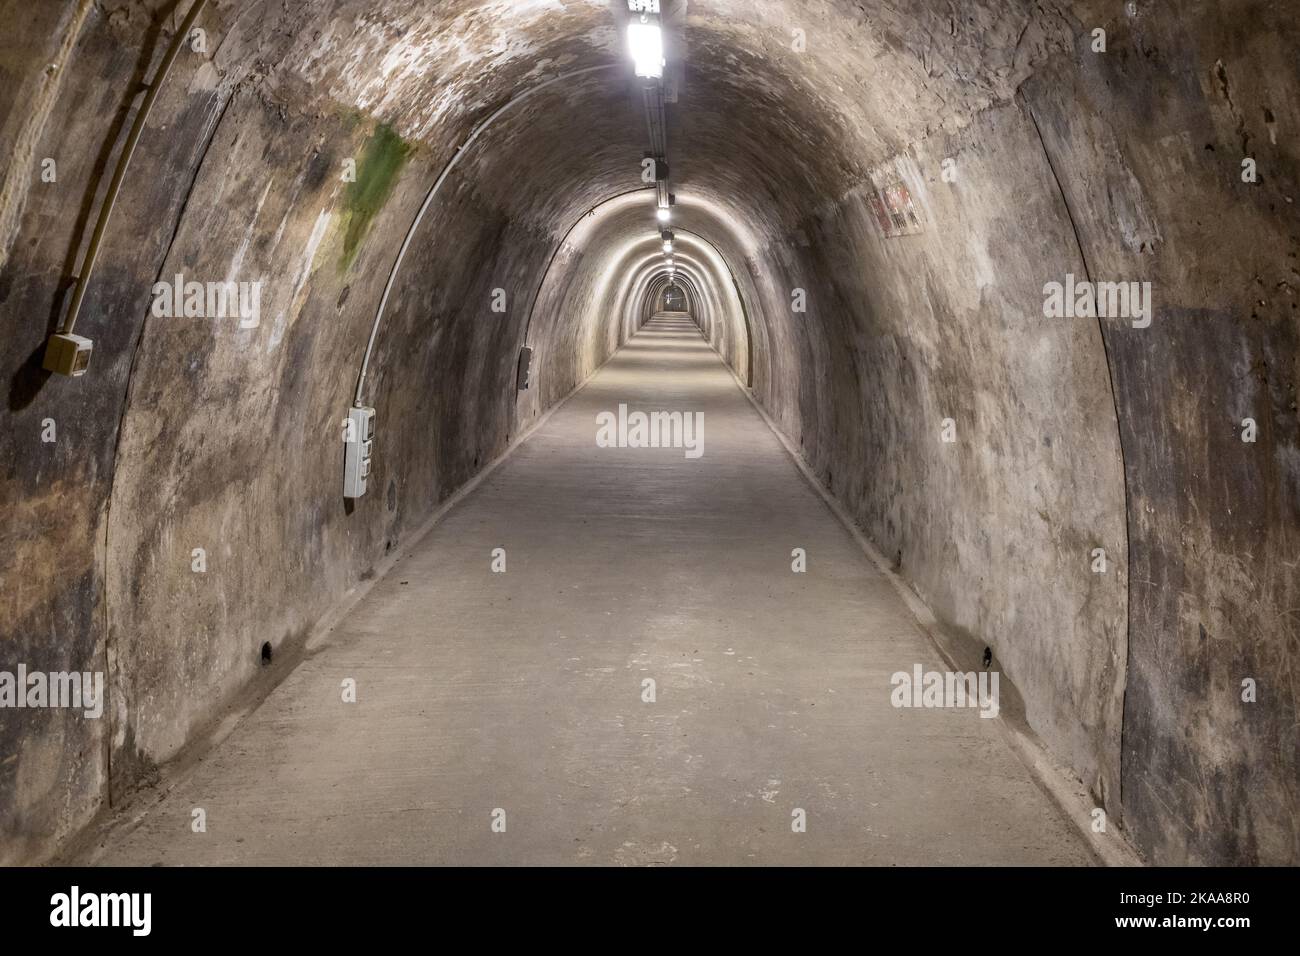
(655, 432)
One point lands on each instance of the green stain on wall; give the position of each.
(381, 160)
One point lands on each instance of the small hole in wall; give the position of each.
(266, 653)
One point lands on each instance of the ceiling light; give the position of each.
(664, 215)
(645, 43)
(668, 246)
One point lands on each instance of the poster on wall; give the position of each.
(894, 212)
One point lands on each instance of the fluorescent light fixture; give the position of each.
(664, 215)
(646, 44)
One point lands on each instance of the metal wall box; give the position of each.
(68, 354)
(525, 368)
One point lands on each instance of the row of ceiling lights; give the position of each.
(646, 46)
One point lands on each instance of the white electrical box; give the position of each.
(359, 441)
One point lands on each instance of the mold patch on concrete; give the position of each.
(377, 169)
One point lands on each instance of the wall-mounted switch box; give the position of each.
(68, 354)
(359, 444)
(525, 368)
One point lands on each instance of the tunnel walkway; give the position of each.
(479, 691)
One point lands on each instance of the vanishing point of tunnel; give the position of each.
(641, 432)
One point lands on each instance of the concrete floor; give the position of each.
(523, 691)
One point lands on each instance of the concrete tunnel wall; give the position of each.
(1072, 434)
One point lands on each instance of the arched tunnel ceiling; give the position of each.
(758, 127)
